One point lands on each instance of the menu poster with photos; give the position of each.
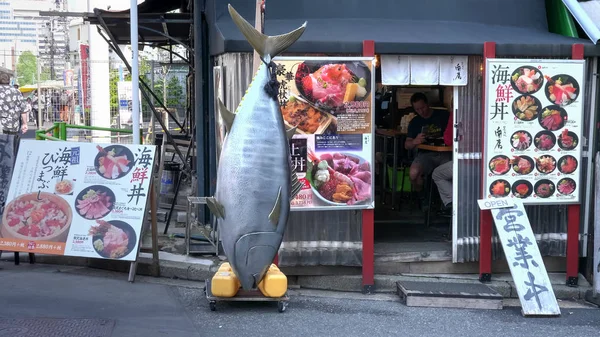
(330, 102)
(534, 123)
(78, 199)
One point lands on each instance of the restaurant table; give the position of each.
(435, 148)
(396, 136)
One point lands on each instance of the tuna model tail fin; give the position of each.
(266, 46)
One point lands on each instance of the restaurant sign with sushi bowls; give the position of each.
(534, 123)
(330, 102)
(77, 199)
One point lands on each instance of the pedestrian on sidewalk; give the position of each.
(13, 116)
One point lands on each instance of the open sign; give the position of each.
(495, 203)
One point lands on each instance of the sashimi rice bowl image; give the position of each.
(566, 186)
(113, 161)
(34, 216)
(339, 178)
(112, 239)
(544, 140)
(552, 118)
(544, 188)
(499, 165)
(526, 107)
(329, 85)
(567, 140)
(521, 140)
(527, 80)
(64, 187)
(95, 202)
(561, 89)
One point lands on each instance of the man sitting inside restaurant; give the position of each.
(442, 175)
(427, 127)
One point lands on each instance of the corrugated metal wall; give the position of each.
(311, 238)
(549, 223)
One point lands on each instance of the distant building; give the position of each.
(23, 29)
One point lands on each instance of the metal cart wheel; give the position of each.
(212, 305)
(281, 306)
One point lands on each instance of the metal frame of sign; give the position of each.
(486, 133)
(373, 60)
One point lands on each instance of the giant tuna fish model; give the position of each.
(255, 178)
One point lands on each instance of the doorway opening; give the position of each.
(412, 221)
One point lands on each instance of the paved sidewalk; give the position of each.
(68, 301)
(135, 309)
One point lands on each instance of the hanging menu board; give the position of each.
(77, 199)
(534, 123)
(330, 102)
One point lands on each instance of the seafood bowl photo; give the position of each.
(526, 107)
(520, 140)
(552, 118)
(64, 187)
(544, 188)
(46, 217)
(544, 140)
(339, 179)
(307, 120)
(500, 188)
(567, 164)
(113, 239)
(567, 140)
(545, 164)
(522, 189)
(113, 161)
(566, 186)
(522, 165)
(95, 202)
(328, 85)
(561, 89)
(499, 165)
(526, 79)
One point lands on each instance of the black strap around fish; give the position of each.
(272, 87)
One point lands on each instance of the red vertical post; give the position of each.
(485, 216)
(368, 218)
(573, 214)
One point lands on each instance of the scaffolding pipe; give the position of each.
(135, 74)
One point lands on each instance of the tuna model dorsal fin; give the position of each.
(274, 215)
(228, 116)
(265, 45)
(215, 207)
(290, 133)
(296, 184)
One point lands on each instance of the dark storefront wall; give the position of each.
(334, 237)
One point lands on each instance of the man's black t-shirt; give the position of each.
(435, 125)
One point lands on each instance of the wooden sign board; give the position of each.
(525, 261)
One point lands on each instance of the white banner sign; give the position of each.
(78, 199)
(424, 70)
(533, 131)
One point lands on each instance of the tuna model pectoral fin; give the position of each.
(263, 44)
(274, 215)
(228, 116)
(290, 133)
(215, 207)
(296, 184)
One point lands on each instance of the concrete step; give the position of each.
(448, 295)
